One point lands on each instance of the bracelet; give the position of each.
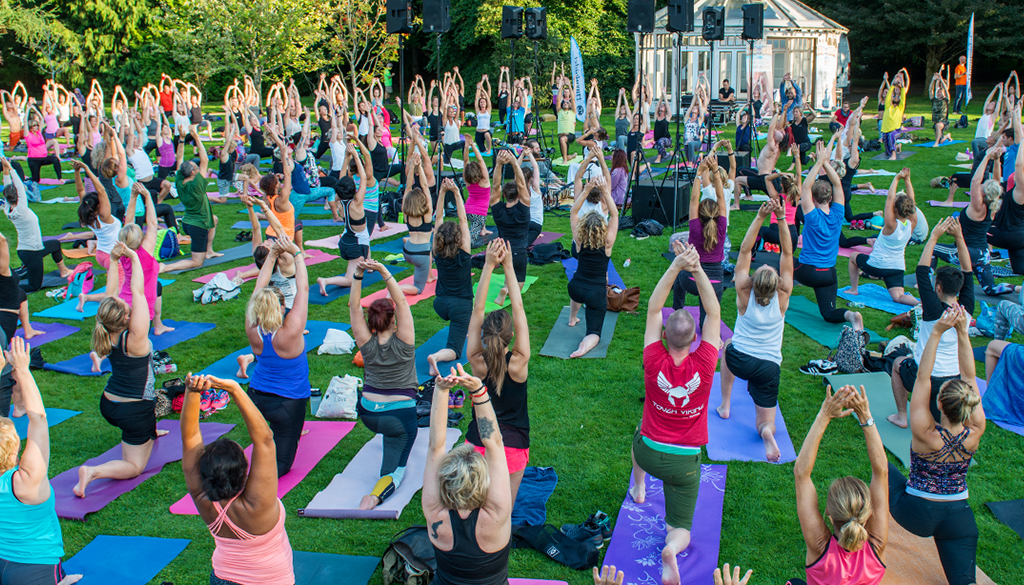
(479, 391)
(354, 277)
(481, 403)
(296, 254)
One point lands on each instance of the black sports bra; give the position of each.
(424, 227)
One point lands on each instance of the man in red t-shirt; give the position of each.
(960, 75)
(167, 95)
(677, 385)
(839, 118)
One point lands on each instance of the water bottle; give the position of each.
(627, 263)
(166, 369)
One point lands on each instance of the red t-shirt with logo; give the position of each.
(167, 100)
(676, 408)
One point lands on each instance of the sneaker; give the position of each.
(596, 530)
(460, 398)
(220, 400)
(161, 358)
(820, 368)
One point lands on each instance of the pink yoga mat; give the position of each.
(956, 204)
(313, 446)
(332, 242)
(48, 181)
(881, 192)
(315, 257)
(428, 291)
(166, 449)
(535, 582)
(695, 312)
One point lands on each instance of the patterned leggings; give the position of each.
(662, 145)
(476, 225)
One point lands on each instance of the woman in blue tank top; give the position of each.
(280, 380)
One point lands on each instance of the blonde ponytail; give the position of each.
(111, 319)
(848, 505)
(957, 399)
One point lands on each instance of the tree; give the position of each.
(198, 42)
(51, 48)
(358, 34)
(107, 30)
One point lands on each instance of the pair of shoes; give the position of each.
(596, 529)
(857, 224)
(456, 399)
(161, 358)
(820, 367)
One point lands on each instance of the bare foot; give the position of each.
(160, 432)
(638, 493)
(70, 579)
(500, 301)
(851, 291)
(18, 411)
(96, 361)
(771, 448)
(368, 502)
(85, 475)
(212, 254)
(323, 287)
(81, 304)
(243, 364)
(485, 232)
(161, 329)
(433, 365)
(574, 321)
(858, 321)
(897, 419)
(66, 272)
(669, 568)
(432, 276)
(870, 187)
(383, 228)
(29, 333)
(723, 410)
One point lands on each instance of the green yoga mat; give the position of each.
(494, 287)
(878, 386)
(803, 314)
(563, 340)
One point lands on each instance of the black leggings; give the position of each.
(826, 289)
(456, 311)
(980, 262)
(33, 261)
(324, 146)
(951, 523)
(684, 284)
(594, 298)
(392, 170)
(35, 165)
(399, 428)
(285, 416)
(163, 211)
(1014, 244)
(849, 242)
(533, 233)
(12, 573)
(770, 234)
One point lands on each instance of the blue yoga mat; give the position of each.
(336, 292)
(69, 309)
(227, 366)
(531, 500)
(54, 416)
(435, 343)
(81, 365)
(327, 569)
(875, 297)
(613, 276)
(106, 560)
(394, 246)
(932, 144)
(246, 225)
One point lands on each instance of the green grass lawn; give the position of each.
(583, 412)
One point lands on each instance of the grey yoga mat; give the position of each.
(899, 156)
(878, 386)
(340, 499)
(563, 340)
(230, 255)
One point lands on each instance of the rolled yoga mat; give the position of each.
(563, 340)
(1010, 513)
(54, 416)
(51, 332)
(106, 560)
(428, 291)
(736, 438)
(314, 257)
(313, 446)
(639, 534)
(436, 343)
(803, 314)
(326, 569)
(878, 386)
(69, 308)
(341, 498)
(81, 365)
(336, 292)
(494, 289)
(227, 366)
(875, 297)
(912, 560)
(695, 313)
(613, 275)
(230, 255)
(99, 493)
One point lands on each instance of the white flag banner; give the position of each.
(578, 79)
(970, 55)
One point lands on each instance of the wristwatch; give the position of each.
(870, 423)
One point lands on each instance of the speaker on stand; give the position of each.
(436, 17)
(640, 16)
(753, 30)
(399, 17)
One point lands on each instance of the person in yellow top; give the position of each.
(960, 75)
(892, 119)
(567, 123)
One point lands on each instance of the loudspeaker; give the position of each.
(536, 23)
(742, 160)
(640, 16)
(511, 22)
(680, 16)
(436, 18)
(399, 17)
(753, 22)
(714, 23)
(647, 204)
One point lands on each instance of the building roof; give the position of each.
(778, 14)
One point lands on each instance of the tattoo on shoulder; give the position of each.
(433, 527)
(486, 427)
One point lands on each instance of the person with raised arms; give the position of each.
(709, 223)
(453, 300)
(1007, 229)
(199, 222)
(354, 244)
(31, 247)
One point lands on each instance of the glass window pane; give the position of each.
(725, 67)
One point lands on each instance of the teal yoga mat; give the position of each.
(69, 309)
(125, 560)
(878, 387)
(54, 416)
(804, 316)
(932, 144)
(306, 210)
(326, 569)
(563, 340)
(336, 292)
(227, 366)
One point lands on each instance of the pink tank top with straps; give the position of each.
(252, 560)
(838, 565)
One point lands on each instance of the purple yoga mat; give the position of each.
(955, 204)
(736, 438)
(639, 535)
(547, 238)
(101, 492)
(51, 332)
(695, 312)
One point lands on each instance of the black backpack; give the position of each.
(390, 206)
(872, 145)
(552, 542)
(409, 558)
(962, 122)
(647, 227)
(548, 253)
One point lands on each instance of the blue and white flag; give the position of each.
(970, 55)
(578, 79)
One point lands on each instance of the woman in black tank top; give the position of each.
(975, 221)
(467, 500)
(1007, 229)
(13, 300)
(453, 299)
(510, 208)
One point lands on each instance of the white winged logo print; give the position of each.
(678, 391)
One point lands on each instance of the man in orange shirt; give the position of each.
(960, 74)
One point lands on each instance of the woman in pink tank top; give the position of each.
(852, 552)
(241, 509)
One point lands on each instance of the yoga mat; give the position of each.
(613, 275)
(315, 257)
(982, 388)
(395, 246)
(803, 315)
(875, 297)
(54, 416)
(99, 493)
(494, 289)
(313, 446)
(432, 345)
(899, 156)
(51, 332)
(1010, 513)
(563, 340)
(81, 365)
(695, 313)
(912, 560)
(736, 438)
(878, 386)
(762, 258)
(48, 181)
(639, 534)
(50, 279)
(332, 242)
(340, 499)
(125, 560)
(882, 192)
(246, 225)
(69, 309)
(227, 366)
(979, 354)
(958, 204)
(336, 292)
(844, 252)
(428, 292)
(306, 210)
(230, 255)
(327, 569)
(931, 144)
(513, 581)
(537, 485)
(547, 238)
(876, 173)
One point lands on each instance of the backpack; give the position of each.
(167, 244)
(849, 352)
(872, 145)
(80, 281)
(548, 253)
(409, 558)
(552, 542)
(962, 122)
(647, 227)
(390, 206)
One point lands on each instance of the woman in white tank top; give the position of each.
(483, 115)
(754, 353)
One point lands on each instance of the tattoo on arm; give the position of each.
(486, 427)
(433, 527)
